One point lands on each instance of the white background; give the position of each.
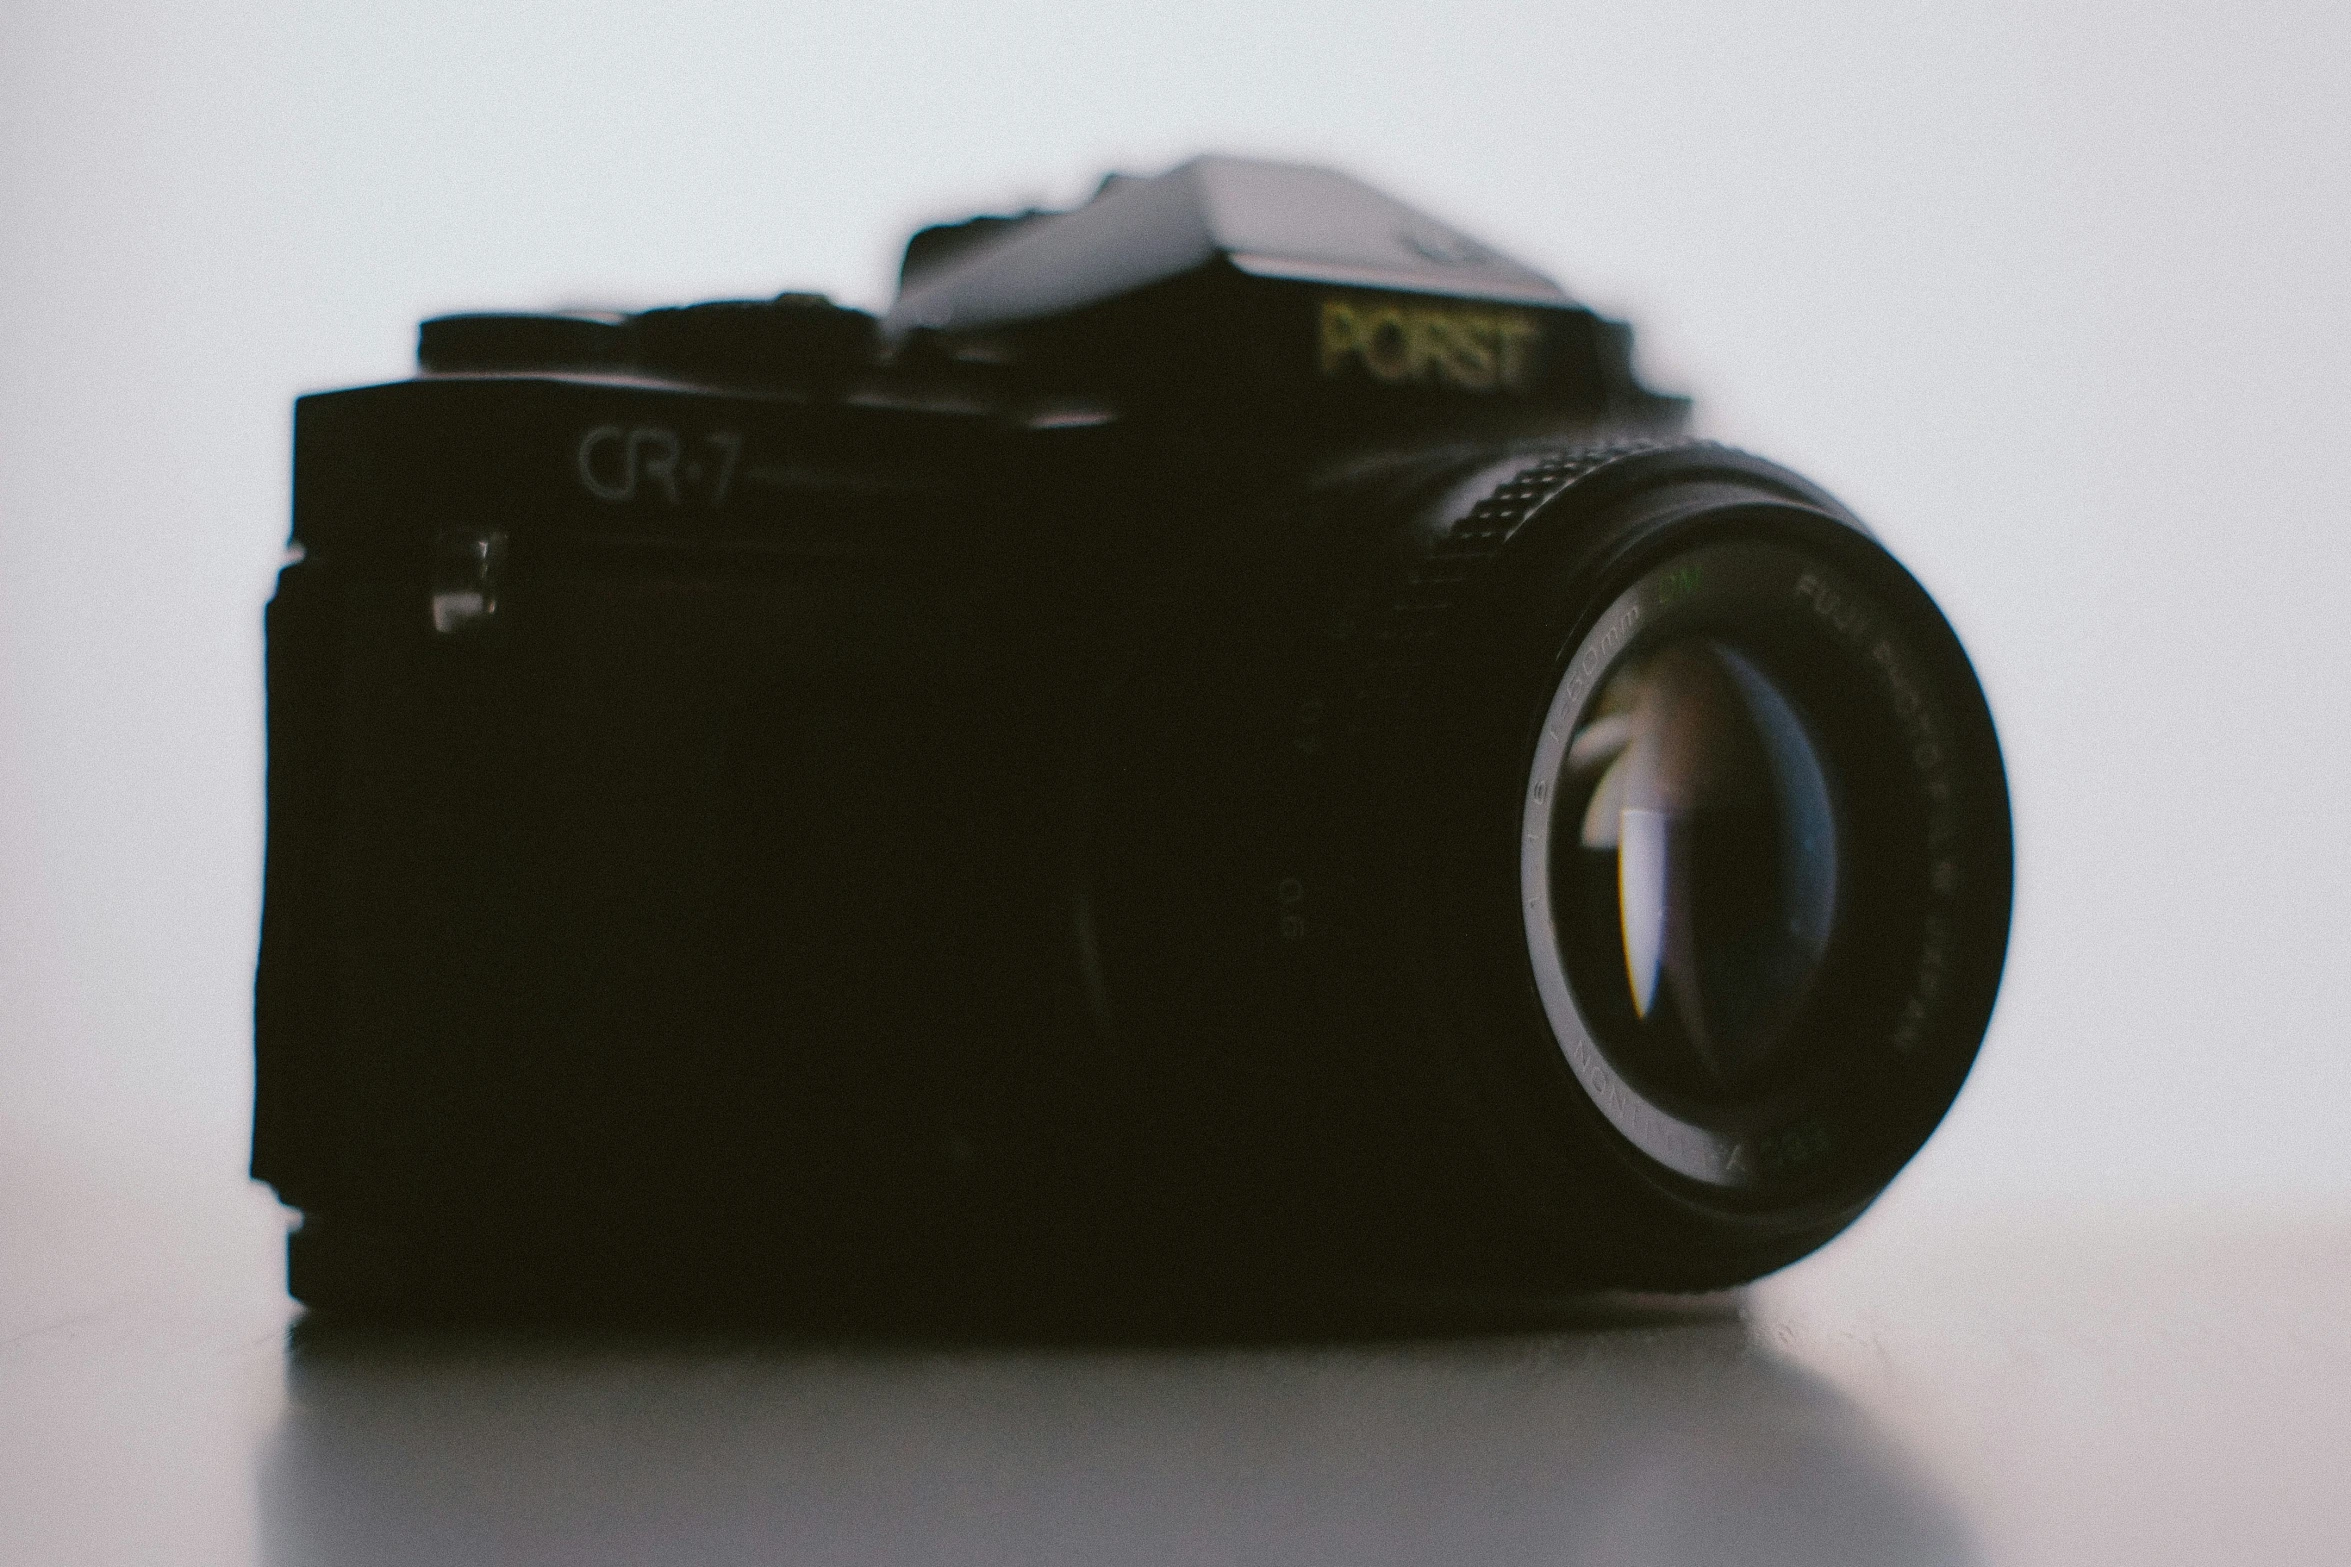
(2055, 296)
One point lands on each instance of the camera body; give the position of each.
(1026, 802)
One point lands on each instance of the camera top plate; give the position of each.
(1271, 220)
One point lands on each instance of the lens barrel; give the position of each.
(1689, 825)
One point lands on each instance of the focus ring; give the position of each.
(1408, 625)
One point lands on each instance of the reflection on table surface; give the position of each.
(1998, 1390)
(1669, 1441)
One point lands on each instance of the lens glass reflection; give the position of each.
(1708, 840)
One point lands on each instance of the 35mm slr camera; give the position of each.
(1225, 744)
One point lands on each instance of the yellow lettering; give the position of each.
(1399, 342)
(1387, 345)
(1430, 337)
(1342, 334)
(1472, 364)
(1518, 343)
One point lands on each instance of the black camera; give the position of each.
(1225, 750)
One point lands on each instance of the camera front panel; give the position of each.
(693, 876)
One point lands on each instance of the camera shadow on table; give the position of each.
(1616, 1430)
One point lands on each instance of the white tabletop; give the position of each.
(1935, 1388)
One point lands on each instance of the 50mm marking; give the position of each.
(619, 462)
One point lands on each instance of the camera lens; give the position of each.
(1701, 836)
(1618, 849)
(1762, 849)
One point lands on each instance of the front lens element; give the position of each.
(1762, 855)
(1707, 838)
